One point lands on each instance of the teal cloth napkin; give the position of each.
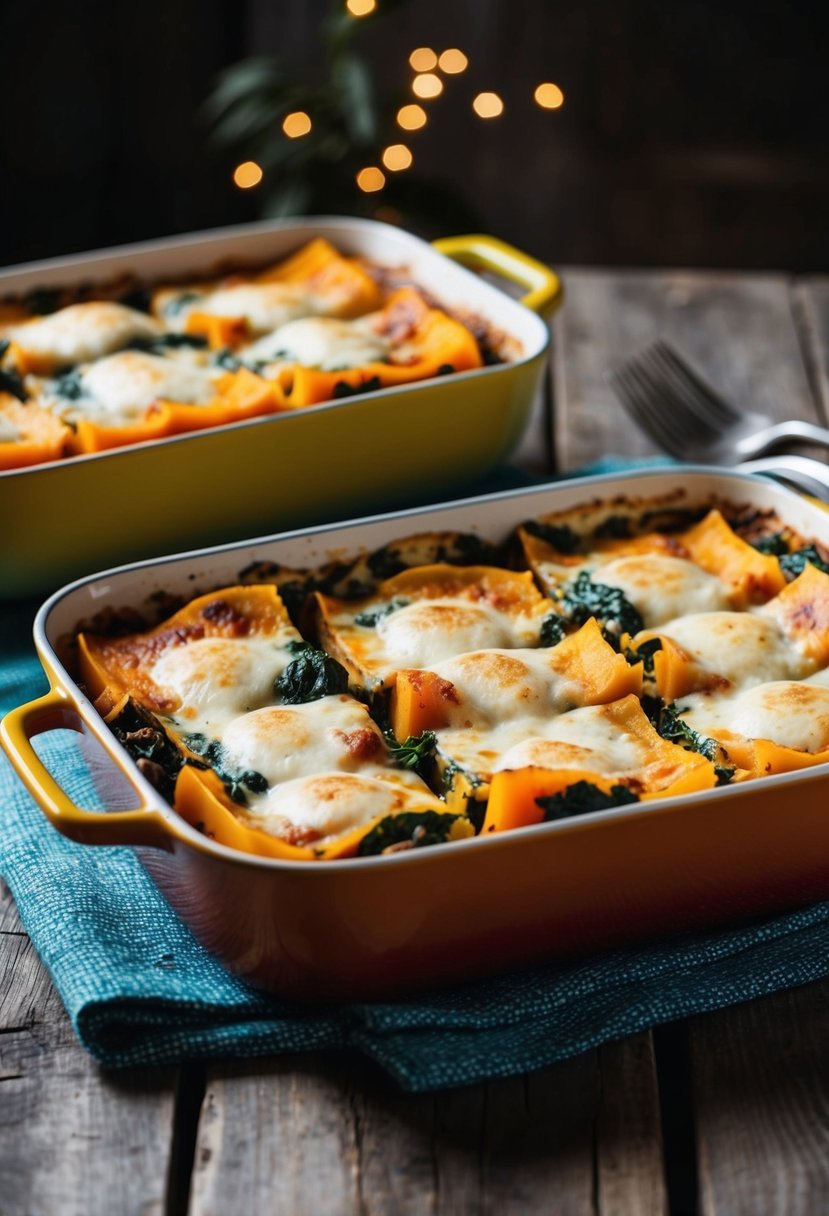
(141, 991)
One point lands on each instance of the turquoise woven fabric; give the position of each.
(141, 991)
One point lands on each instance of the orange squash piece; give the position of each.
(715, 547)
(420, 701)
(591, 663)
(41, 436)
(220, 332)
(352, 289)
(802, 612)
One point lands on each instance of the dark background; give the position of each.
(692, 133)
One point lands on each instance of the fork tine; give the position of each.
(640, 403)
(708, 403)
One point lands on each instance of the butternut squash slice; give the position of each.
(714, 546)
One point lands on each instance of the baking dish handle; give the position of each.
(142, 826)
(489, 253)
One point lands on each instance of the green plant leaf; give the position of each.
(290, 197)
(241, 80)
(351, 82)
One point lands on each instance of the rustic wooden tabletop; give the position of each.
(724, 1115)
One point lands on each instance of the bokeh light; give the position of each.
(423, 59)
(247, 174)
(411, 118)
(371, 179)
(296, 124)
(453, 61)
(488, 105)
(549, 96)
(396, 157)
(427, 85)
(360, 8)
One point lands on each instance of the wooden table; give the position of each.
(724, 1114)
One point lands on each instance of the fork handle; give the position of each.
(781, 433)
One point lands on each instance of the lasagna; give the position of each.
(445, 686)
(82, 375)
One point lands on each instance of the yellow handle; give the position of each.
(488, 253)
(143, 826)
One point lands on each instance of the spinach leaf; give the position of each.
(795, 563)
(774, 545)
(43, 300)
(178, 303)
(343, 389)
(139, 298)
(237, 782)
(225, 359)
(553, 629)
(643, 653)
(311, 675)
(69, 385)
(417, 752)
(11, 382)
(582, 797)
(158, 343)
(615, 527)
(671, 727)
(409, 830)
(583, 599)
(559, 536)
(371, 616)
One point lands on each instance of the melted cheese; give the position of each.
(9, 433)
(320, 807)
(662, 587)
(264, 306)
(429, 631)
(121, 387)
(83, 332)
(491, 685)
(741, 647)
(285, 742)
(322, 342)
(214, 679)
(790, 713)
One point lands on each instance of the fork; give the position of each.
(689, 420)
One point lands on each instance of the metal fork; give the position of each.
(689, 420)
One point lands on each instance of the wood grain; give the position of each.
(73, 1141)
(761, 1077)
(302, 1135)
(739, 330)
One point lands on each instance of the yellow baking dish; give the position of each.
(393, 446)
(381, 925)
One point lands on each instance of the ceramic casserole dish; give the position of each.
(372, 926)
(394, 446)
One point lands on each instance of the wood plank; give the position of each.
(739, 330)
(761, 1080)
(73, 1140)
(303, 1135)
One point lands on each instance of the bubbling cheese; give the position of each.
(285, 742)
(121, 387)
(264, 306)
(493, 684)
(9, 433)
(431, 630)
(790, 713)
(662, 588)
(214, 679)
(83, 332)
(741, 647)
(323, 342)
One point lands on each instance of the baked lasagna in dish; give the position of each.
(82, 373)
(446, 686)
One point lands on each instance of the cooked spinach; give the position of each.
(139, 298)
(343, 389)
(409, 830)
(311, 675)
(237, 782)
(774, 545)
(11, 382)
(226, 360)
(69, 385)
(469, 549)
(43, 300)
(371, 616)
(145, 740)
(643, 653)
(582, 797)
(417, 752)
(158, 343)
(385, 562)
(553, 629)
(795, 563)
(445, 369)
(671, 727)
(615, 527)
(178, 303)
(583, 599)
(559, 536)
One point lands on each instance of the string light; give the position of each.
(549, 96)
(396, 157)
(371, 179)
(488, 105)
(247, 174)
(411, 118)
(423, 59)
(453, 61)
(296, 124)
(427, 85)
(360, 8)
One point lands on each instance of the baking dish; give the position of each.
(378, 926)
(311, 465)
